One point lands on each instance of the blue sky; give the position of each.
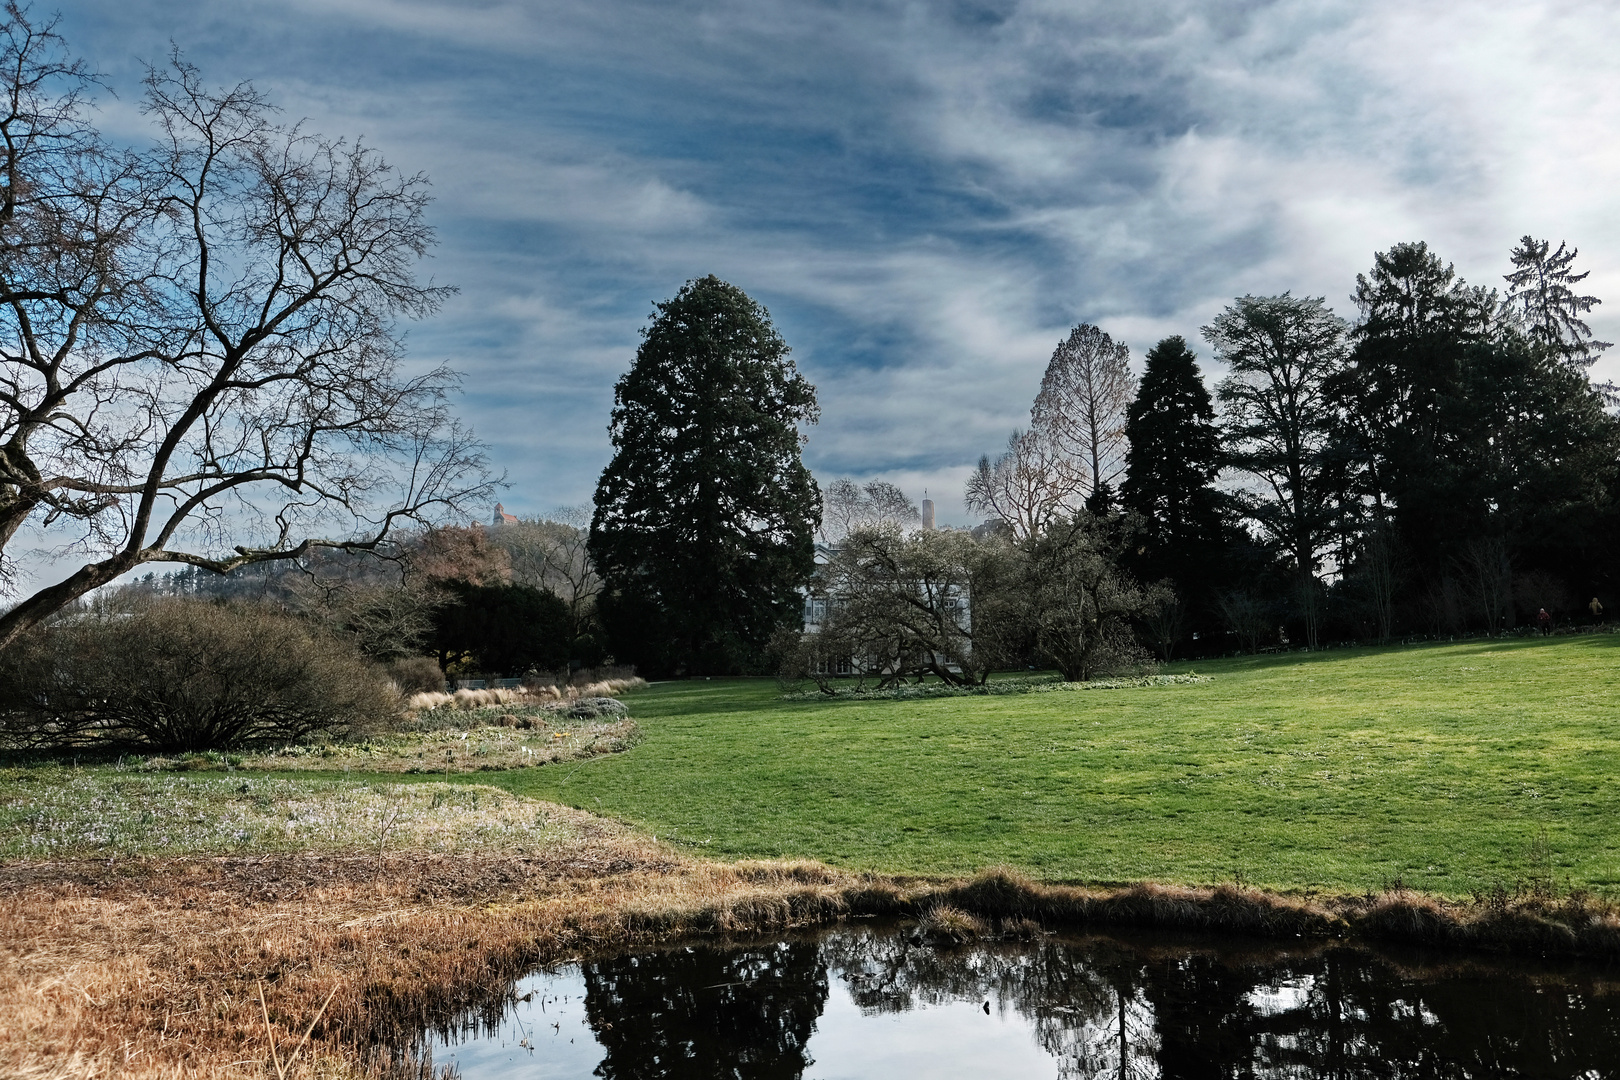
(926, 196)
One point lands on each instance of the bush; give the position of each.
(417, 675)
(181, 676)
(504, 628)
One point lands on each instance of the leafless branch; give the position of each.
(199, 360)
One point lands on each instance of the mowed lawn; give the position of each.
(1451, 768)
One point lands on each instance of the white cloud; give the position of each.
(926, 203)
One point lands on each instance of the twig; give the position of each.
(382, 841)
(269, 1033)
(311, 1028)
(282, 1071)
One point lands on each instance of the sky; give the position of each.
(926, 196)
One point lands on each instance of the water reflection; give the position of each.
(706, 1013)
(868, 1002)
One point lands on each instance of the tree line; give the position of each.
(200, 366)
(1439, 464)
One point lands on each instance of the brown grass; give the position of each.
(152, 968)
(528, 695)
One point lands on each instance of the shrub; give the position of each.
(181, 676)
(417, 675)
(502, 628)
(947, 925)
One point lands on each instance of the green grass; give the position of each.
(1451, 768)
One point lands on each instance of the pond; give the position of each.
(867, 1001)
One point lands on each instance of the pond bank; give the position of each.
(152, 967)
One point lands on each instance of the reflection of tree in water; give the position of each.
(1086, 1006)
(706, 1013)
(1352, 1014)
(1132, 1006)
(1104, 1007)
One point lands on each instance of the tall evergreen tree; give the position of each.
(1282, 350)
(1536, 462)
(705, 518)
(1398, 398)
(1418, 319)
(1540, 297)
(1173, 457)
(1476, 436)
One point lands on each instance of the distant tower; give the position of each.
(928, 510)
(502, 517)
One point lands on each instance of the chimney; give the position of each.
(928, 513)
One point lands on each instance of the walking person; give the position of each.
(1544, 621)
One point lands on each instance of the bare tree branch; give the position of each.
(1080, 410)
(199, 360)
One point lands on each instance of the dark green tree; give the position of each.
(1478, 448)
(1539, 295)
(705, 518)
(703, 1012)
(1171, 464)
(1282, 350)
(505, 629)
(1399, 395)
(1536, 463)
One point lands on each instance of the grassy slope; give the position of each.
(1451, 767)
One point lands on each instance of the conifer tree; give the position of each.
(1173, 457)
(1281, 423)
(705, 518)
(1539, 295)
(1397, 399)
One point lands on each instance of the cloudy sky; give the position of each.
(926, 196)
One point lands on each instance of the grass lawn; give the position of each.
(1451, 768)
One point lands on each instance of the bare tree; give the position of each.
(1539, 590)
(1245, 615)
(1489, 570)
(1080, 409)
(1379, 569)
(386, 615)
(1029, 487)
(1081, 603)
(450, 554)
(1165, 619)
(903, 603)
(847, 506)
(550, 554)
(198, 355)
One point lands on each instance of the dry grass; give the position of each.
(458, 737)
(528, 695)
(151, 968)
(947, 924)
